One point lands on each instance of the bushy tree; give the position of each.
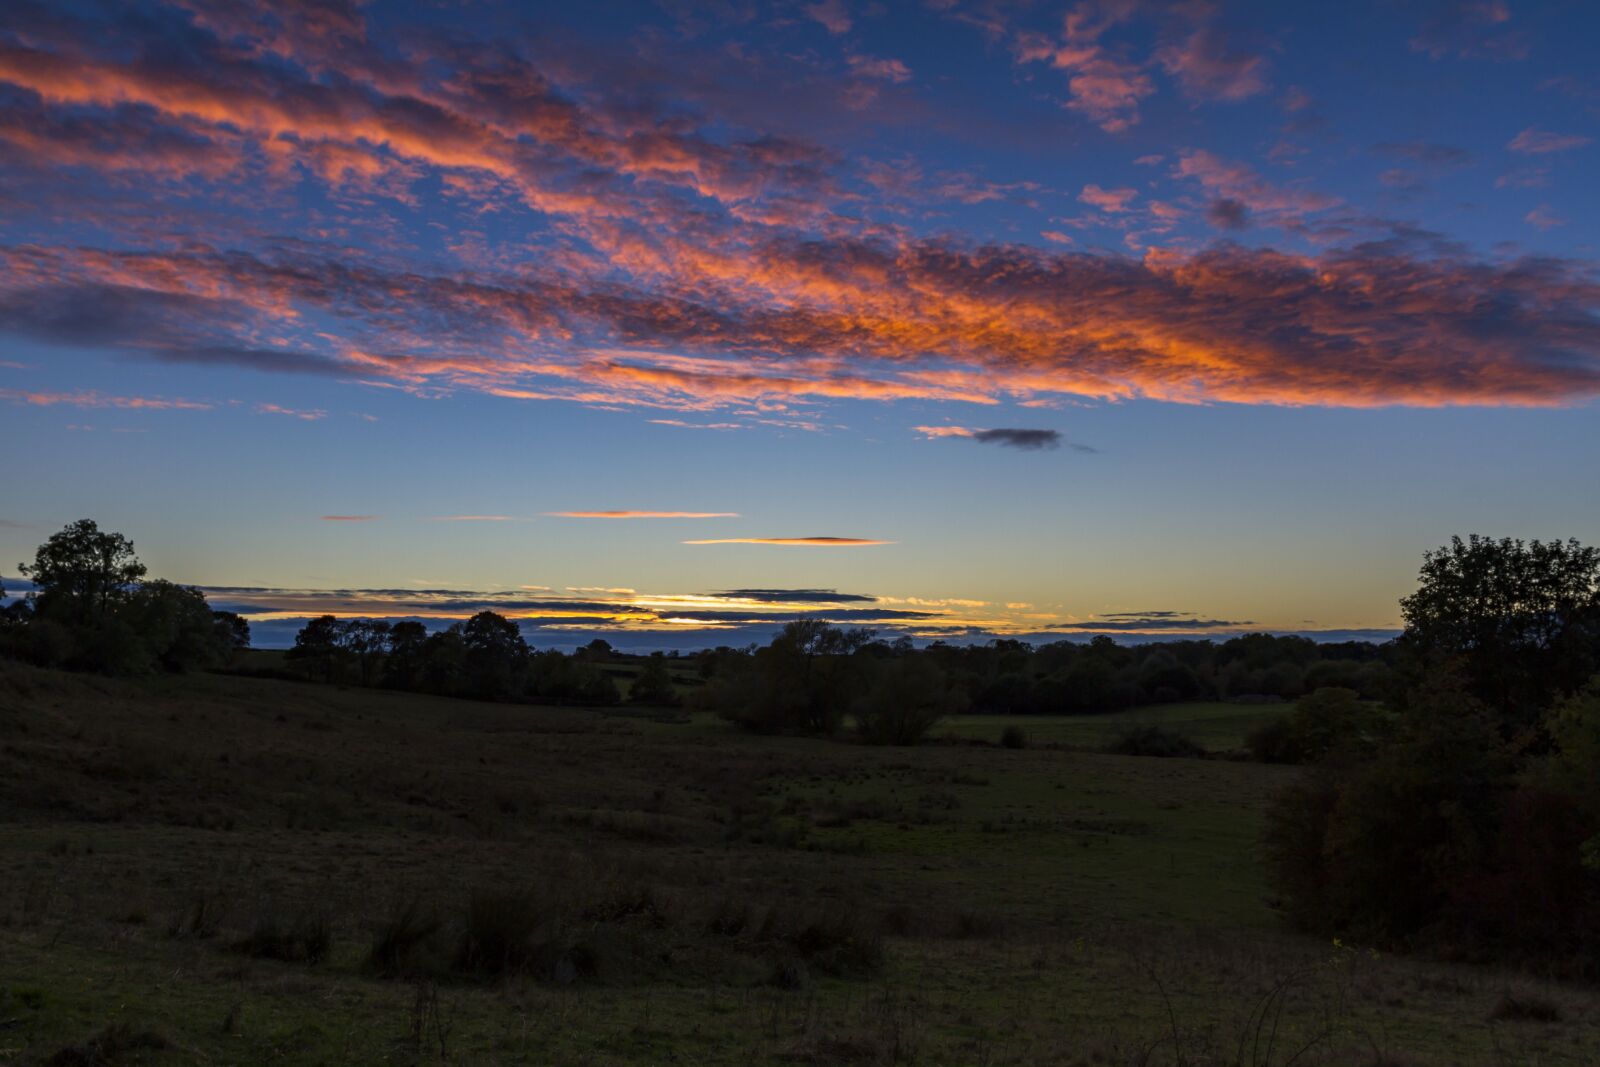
(233, 630)
(1475, 828)
(495, 656)
(803, 682)
(319, 648)
(367, 642)
(92, 610)
(653, 685)
(402, 667)
(1523, 619)
(175, 627)
(907, 698)
(81, 573)
(1328, 722)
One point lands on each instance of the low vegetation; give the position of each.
(223, 867)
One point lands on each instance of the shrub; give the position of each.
(503, 932)
(1525, 1008)
(115, 1044)
(1154, 741)
(1014, 736)
(406, 944)
(840, 942)
(1275, 741)
(906, 700)
(305, 939)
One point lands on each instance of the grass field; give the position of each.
(1215, 726)
(699, 896)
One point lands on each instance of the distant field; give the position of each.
(1216, 726)
(703, 896)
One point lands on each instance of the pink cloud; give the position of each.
(1209, 70)
(832, 15)
(1544, 218)
(890, 70)
(1114, 201)
(1533, 141)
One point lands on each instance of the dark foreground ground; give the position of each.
(199, 870)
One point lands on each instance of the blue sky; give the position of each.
(1284, 295)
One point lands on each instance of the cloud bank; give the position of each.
(678, 264)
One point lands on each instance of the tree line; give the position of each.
(484, 657)
(93, 609)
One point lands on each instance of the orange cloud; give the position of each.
(690, 271)
(88, 398)
(813, 321)
(643, 514)
(818, 542)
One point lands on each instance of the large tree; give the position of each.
(81, 573)
(1521, 618)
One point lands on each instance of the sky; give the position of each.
(668, 322)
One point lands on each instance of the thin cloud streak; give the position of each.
(349, 518)
(1026, 440)
(643, 514)
(813, 542)
(89, 398)
(477, 518)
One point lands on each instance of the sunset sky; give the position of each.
(670, 321)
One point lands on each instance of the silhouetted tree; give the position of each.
(495, 655)
(318, 646)
(444, 656)
(366, 640)
(174, 626)
(232, 629)
(402, 667)
(654, 683)
(1523, 618)
(81, 573)
(907, 698)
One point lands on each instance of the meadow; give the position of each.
(220, 869)
(1214, 725)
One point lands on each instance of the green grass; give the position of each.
(1037, 906)
(1216, 726)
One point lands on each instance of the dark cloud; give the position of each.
(1468, 28)
(169, 327)
(1027, 440)
(1154, 622)
(1425, 153)
(795, 596)
(839, 615)
(1228, 214)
